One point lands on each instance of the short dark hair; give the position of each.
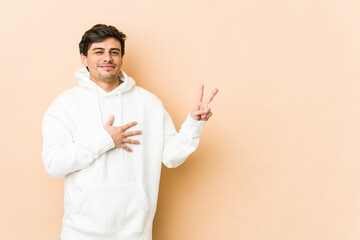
(99, 33)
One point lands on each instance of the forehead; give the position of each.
(107, 44)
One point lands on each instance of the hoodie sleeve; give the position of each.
(179, 145)
(60, 154)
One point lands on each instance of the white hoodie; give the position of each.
(111, 194)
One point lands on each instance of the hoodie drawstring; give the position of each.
(83, 76)
(99, 108)
(121, 123)
(118, 118)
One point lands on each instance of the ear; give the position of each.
(83, 59)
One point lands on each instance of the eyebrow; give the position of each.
(111, 49)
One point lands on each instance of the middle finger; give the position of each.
(132, 133)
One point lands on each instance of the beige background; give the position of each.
(279, 158)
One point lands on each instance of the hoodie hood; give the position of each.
(83, 77)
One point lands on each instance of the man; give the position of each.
(108, 138)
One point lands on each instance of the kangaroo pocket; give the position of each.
(107, 209)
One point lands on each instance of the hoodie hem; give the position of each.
(69, 233)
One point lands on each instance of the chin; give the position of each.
(110, 78)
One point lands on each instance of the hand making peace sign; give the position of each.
(202, 111)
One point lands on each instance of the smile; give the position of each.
(107, 67)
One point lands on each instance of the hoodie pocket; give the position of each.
(107, 209)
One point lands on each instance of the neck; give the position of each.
(107, 85)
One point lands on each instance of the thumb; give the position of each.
(110, 121)
(196, 113)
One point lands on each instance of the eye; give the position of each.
(98, 52)
(115, 53)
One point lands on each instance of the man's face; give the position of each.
(104, 60)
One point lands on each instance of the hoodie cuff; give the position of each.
(101, 142)
(192, 126)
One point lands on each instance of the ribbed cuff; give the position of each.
(192, 126)
(101, 142)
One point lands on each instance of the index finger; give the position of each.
(128, 125)
(212, 95)
(201, 93)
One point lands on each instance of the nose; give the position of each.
(107, 57)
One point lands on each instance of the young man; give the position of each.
(108, 138)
